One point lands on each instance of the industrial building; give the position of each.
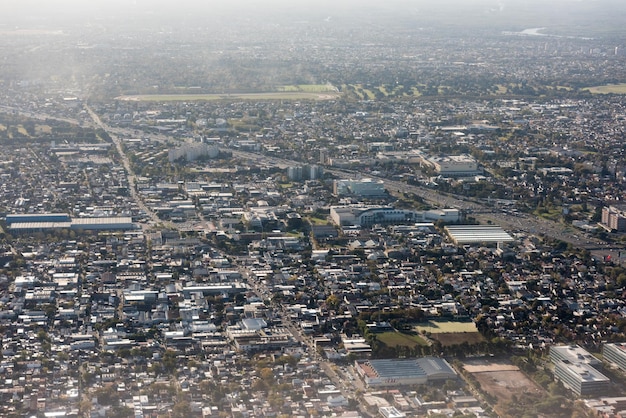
(397, 372)
(37, 217)
(102, 224)
(55, 221)
(477, 234)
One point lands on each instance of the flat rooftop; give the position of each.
(475, 234)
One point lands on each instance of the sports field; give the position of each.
(395, 339)
(440, 327)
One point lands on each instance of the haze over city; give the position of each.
(312, 208)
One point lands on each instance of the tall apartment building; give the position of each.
(614, 217)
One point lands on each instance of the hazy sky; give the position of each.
(12, 9)
(64, 14)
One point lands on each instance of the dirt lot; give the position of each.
(500, 379)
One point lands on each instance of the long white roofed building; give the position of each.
(477, 234)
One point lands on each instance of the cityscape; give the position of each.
(261, 209)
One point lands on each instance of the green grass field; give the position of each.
(609, 88)
(441, 327)
(284, 95)
(309, 88)
(317, 221)
(394, 339)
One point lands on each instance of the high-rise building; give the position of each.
(614, 217)
(324, 156)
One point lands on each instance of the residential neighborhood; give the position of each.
(245, 212)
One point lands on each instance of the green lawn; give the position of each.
(394, 339)
(553, 214)
(310, 88)
(317, 221)
(440, 327)
(284, 95)
(609, 88)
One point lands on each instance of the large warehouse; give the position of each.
(477, 234)
(49, 222)
(397, 372)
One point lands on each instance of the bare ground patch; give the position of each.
(500, 379)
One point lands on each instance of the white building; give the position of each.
(454, 165)
(192, 152)
(615, 353)
(574, 367)
(362, 215)
(581, 378)
(362, 188)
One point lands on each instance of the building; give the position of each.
(454, 165)
(574, 367)
(103, 224)
(370, 215)
(224, 289)
(401, 372)
(192, 152)
(573, 354)
(615, 353)
(265, 338)
(391, 412)
(324, 156)
(39, 224)
(294, 173)
(477, 234)
(581, 378)
(444, 215)
(614, 217)
(365, 216)
(306, 172)
(360, 188)
(38, 217)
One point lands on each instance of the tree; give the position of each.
(182, 409)
(333, 302)
(169, 361)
